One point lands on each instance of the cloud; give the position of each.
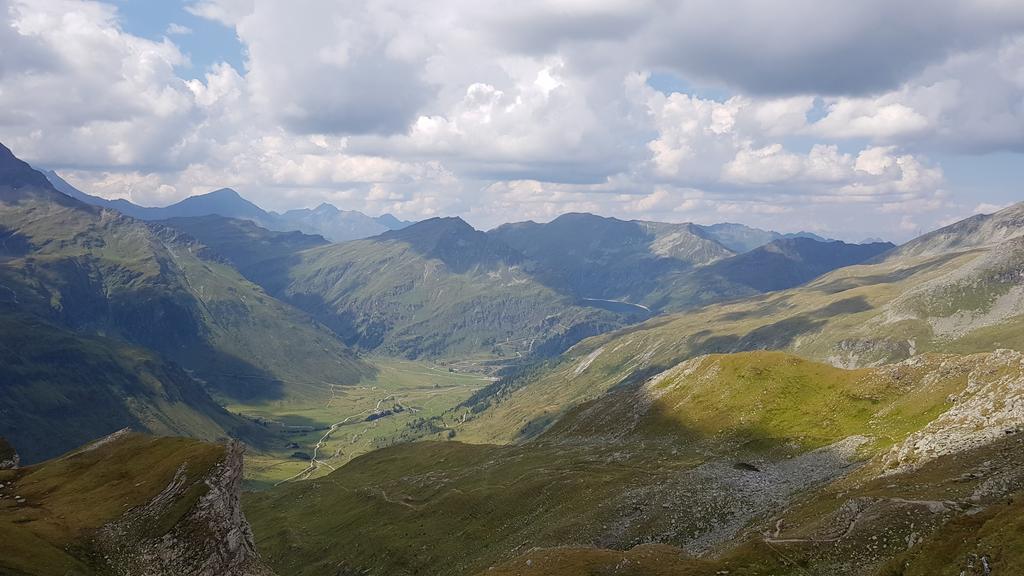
(90, 94)
(969, 102)
(226, 12)
(987, 208)
(826, 110)
(342, 67)
(708, 143)
(830, 47)
(174, 29)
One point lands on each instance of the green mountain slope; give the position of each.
(705, 458)
(789, 262)
(97, 271)
(241, 242)
(62, 389)
(962, 301)
(128, 504)
(442, 289)
(436, 288)
(778, 265)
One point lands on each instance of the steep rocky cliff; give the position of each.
(212, 539)
(130, 505)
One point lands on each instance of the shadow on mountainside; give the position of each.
(843, 284)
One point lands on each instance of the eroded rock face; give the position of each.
(990, 406)
(212, 539)
(8, 457)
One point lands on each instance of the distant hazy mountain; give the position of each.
(334, 224)
(789, 262)
(670, 267)
(326, 220)
(596, 257)
(740, 238)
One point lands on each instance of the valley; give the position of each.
(584, 396)
(405, 399)
(542, 288)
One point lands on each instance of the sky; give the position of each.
(876, 118)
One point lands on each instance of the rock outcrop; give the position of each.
(8, 457)
(212, 538)
(990, 407)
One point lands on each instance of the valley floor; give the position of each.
(312, 438)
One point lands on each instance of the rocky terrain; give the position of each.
(9, 458)
(129, 505)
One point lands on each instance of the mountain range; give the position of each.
(867, 423)
(439, 288)
(325, 220)
(659, 398)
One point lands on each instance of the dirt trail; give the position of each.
(314, 463)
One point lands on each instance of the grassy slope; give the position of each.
(768, 400)
(623, 470)
(437, 508)
(845, 316)
(243, 243)
(61, 389)
(67, 499)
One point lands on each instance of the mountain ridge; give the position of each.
(332, 223)
(97, 273)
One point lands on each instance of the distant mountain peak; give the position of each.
(224, 193)
(390, 221)
(222, 202)
(326, 208)
(433, 226)
(453, 241)
(582, 217)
